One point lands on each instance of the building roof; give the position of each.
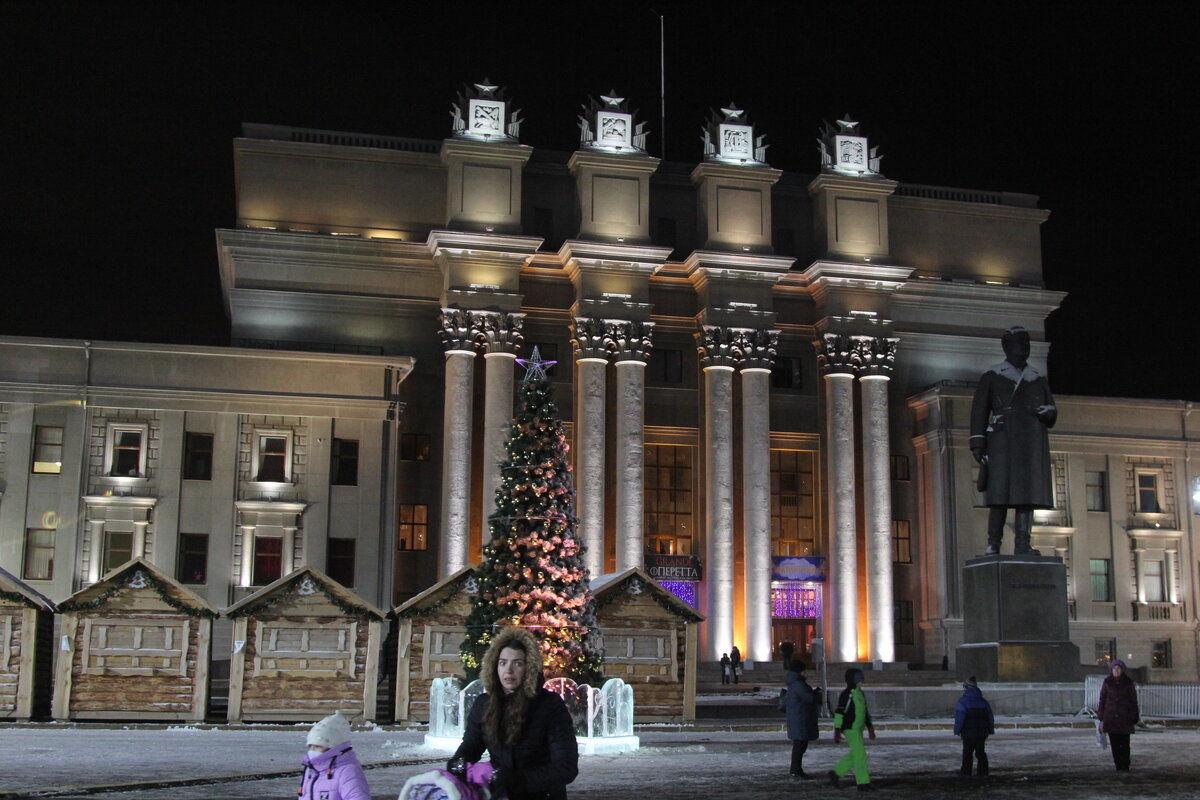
(125, 576)
(273, 593)
(13, 588)
(435, 595)
(603, 586)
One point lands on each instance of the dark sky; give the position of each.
(117, 119)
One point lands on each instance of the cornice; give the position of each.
(702, 264)
(756, 173)
(496, 246)
(490, 151)
(844, 184)
(613, 255)
(333, 152)
(617, 162)
(843, 272)
(1038, 215)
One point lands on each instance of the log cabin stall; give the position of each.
(431, 628)
(304, 647)
(133, 646)
(26, 631)
(650, 643)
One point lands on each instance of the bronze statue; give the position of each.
(1010, 416)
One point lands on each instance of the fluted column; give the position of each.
(630, 343)
(460, 334)
(589, 343)
(502, 334)
(876, 357)
(835, 354)
(758, 353)
(717, 358)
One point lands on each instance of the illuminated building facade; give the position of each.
(762, 372)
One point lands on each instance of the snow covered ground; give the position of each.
(1042, 756)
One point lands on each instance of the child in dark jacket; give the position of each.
(973, 721)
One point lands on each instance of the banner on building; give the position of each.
(673, 568)
(798, 568)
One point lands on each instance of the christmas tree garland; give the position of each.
(118, 586)
(292, 589)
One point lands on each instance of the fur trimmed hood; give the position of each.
(506, 637)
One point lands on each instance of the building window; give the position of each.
(904, 622)
(197, 456)
(901, 541)
(39, 554)
(414, 447)
(1160, 654)
(668, 512)
(899, 466)
(47, 449)
(127, 450)
(193, 558)
(414, 527)
(786, 373)
(1104, 650)
(268, 560)
(118, 549)
(344, 470)
(665, 366)
(1153, 585)
(341, 561)
(1101, 580)
(792, 528)
(1147, 493)
(547, 351)
(273, 456)
(1097, 491)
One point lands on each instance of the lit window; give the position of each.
(344, 471)
(667, 516)
(1152, 581)
(792, 525)
(118, 548)
(414, 447)
(341, 561)
(1101, 580)
(414, 527)
(1160, 654)
(1097, 491)
(273, 456)
(1104, 650)
(125, 450)
(47, 449)
(198, 456)
(901, 541)
(1147, 493)
(193, 558)
(268, 560)
(39, 554)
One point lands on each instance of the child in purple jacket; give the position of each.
(331, 770)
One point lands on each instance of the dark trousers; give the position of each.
(799, 746)
(736, 669)
(973, 749)
(1119, 742)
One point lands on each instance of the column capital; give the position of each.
(836, 355)
(875, 355)
(629, 340)
(757, 347)
(716, 346)
(461, 329)
(747, 348)
(588, 339)
(501, 331)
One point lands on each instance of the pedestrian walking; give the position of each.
(726, 668)
(526, 728)
(1118, 712)
(331, 770)
(850, 719)
(800, 702)
(735, 661)
(973, 721)
(787, 648)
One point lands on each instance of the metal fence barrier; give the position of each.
(1176, 700)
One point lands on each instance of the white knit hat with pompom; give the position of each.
(332, 730)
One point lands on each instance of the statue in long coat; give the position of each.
(1010, 418)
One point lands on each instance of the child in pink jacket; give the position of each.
(331, 770)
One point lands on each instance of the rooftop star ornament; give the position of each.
(535, 367)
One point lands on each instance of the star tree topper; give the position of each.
(535, 367)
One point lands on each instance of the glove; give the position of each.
(457, 767)
(871, 732)
(496, 784)
(980, 454)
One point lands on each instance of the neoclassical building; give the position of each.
(766, 378)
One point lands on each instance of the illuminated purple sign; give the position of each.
(684, 590)
(798, 568)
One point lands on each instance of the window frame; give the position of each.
(1157, 475)
(112, 430)
(36, 444)
(903, 623)
(1160, 654)
(662, 521)
(787, 374)
(254, 557)
(411, 443)
(1108, 579)
(900, 543)
(27, 552)
(182, 553)
(331, 570)
(337, 460)
(1088, 487)
(422, 526)
(188, 451)
(780, 543)
(258, 453)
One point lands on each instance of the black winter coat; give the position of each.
(1003, 415)
(973, 715)
(1118, 707)
(544, 759)
(801, 706)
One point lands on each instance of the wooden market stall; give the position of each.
(133, 646)
(304, 647)
(26, 631)
(430, 631)
(650, 643)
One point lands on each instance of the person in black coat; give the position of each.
(786, 648)
(1118, 712)
(735, 663)
(801, 703)
(526, 729)
(973, 721)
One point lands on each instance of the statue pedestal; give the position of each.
(1015, 620)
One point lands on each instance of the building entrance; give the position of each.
(799, 632)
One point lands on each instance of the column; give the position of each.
(591, 360)
(631, 347)
(876, 356)
(139, 539)
(247, 555)
(96, 550)
(717, 360)
(459, 334)
(758, 351)
(502, 333)
(835, 357)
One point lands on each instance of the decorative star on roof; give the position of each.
(848, 125)
(535, 367)
(486, 88)
(733, 112)
(612, 100)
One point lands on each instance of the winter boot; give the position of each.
(1023, 524)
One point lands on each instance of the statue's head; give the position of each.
(1015, 342)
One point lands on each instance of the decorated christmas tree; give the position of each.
(533, 573)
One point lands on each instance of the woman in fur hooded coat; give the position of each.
(526, 729)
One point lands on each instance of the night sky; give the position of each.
(117, 121)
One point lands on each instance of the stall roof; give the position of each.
(12, 585)
(172, 592)
(339, 594)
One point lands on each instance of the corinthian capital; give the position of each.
(461, 329)
(589, 338)
(501, 331)
(836, 354)
(876, 355)
(757, 347)
(629, 341)
(718, 346)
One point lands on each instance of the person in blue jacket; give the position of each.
(973, 721)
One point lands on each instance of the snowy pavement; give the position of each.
(1054, 761)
